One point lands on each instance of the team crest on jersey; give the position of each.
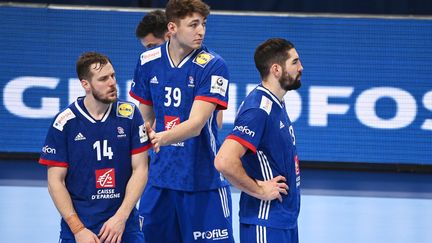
(125, 109)
(191, 82)
(203, 58)
(62, 119)
(150, 55)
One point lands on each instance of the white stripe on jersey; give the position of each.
(83, 113)
(212, 137)
(261, 234)
(224, 201)
(107, 113)
(185, 59)
(267, 174)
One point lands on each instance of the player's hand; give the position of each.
(112, 230)
(154, 137)
(273, 188)
(86, 236)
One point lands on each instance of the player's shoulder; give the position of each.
(205, 57)
(124, 109)
(64, 116)
(261, 99)
(151, 55)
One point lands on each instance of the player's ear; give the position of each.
(276, 70)
(85, 84)
(172, 27)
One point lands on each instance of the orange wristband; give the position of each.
(74, 223)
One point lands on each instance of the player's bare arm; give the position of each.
(113, 229)
(147, 113)
(63, 202)
(199, 115)
(228, 162)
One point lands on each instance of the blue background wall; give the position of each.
(376, 72)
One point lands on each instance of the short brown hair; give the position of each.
(271, 51)
(179, 9)
(86, 60)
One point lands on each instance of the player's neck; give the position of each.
(178, 52)
(95, 108)
(274, 87)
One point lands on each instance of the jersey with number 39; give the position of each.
(171, 90)
(97, 154)
(263, 126)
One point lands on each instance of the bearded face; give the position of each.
(290, 80)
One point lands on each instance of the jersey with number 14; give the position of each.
(97, 155)
(262, 125)
(171, 90)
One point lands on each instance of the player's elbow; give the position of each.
(221, 163)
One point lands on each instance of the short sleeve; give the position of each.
(54, 150)
(214, 86)
(249, 128)
(140, 140)
(140, 89)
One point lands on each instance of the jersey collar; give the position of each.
(185, 59)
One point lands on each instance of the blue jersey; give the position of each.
(97, 154)
(171, 90)
(262, 125)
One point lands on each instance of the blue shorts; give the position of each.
(260, 234)
(180, 216)
(130, 237)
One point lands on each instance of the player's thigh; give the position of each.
(205, 216)
(158, 213)
(260, 234)
(133, 237)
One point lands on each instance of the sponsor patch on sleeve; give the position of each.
(219, 85)
(143, 134)
(125, 109)
(150, 55)
(203, 58)
(266, 104)
(62, 119)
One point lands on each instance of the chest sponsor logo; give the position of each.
(297, 165)
(105, 178)
(219, 85)
(244, 130)
(125, 110)
(203, 58)
(171, 121)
